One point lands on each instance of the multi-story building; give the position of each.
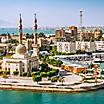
(72, 47)
(85, 46)
(97, 33)
(60, 35)
(99, 45)
(68, 35)
(67, 47)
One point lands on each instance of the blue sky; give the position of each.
(51, 12)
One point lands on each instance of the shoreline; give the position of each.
(49, 89)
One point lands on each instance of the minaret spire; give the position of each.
(35, 29)
(20, 29)
(35, 46)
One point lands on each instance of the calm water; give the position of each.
(26, 30)
(28, 97)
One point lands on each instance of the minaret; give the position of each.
(35, 46)
(20, 30)
(35, 29)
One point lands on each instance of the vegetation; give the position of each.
(6, 72)
(36, 78)
(34, 73)
(1, 72)
(24, 74)
(51, 73)
(80, 52)
(54, 79)
(34, 69)
(12, 41)
(54, 62)
(15, 72)
(29, 36)
(4, 76)
(41, 35)
(44, 67)
(43, 74)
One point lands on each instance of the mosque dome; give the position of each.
(20, 49)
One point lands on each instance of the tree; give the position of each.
(43, 74)
(51, 73)
(34, 73)
(55, 62)
(44, 67)
(34, 69)
(41, 35)
(15, 72)
(36, 78)
(54, 51)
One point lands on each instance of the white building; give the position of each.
(85, 45)
(99, 45)
(67, 47)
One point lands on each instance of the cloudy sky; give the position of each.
(52, 12)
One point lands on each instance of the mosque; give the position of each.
(21, 61)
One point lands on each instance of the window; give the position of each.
(8, 69)
(5, 68)
(23, 69)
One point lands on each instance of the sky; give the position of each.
(51, 13)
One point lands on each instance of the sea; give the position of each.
(14, 31)
(29, 97)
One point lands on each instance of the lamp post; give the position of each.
(95, 66)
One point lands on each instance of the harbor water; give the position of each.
(29, 97)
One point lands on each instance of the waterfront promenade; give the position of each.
(68, 87)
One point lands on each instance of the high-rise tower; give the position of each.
(81, 15)
(20, 30)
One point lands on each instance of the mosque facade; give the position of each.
(21, 61)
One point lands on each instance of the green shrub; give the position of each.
(15, 72)
(34, 73)
(43, 74)
(54, 79)
(55, 70)
(1, 72)
(24, 74)
(7, 72)
(36, 78)
(4, 76)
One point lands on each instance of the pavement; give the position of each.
(68, 79)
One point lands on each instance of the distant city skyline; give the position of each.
(51, 13)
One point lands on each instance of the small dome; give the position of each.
(21, 49)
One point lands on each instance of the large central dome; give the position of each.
(20, 49)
